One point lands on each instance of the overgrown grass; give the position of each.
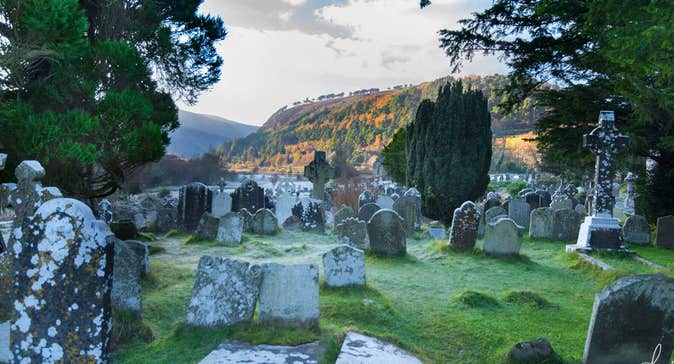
(408, 301)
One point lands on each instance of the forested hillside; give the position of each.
(355, 126)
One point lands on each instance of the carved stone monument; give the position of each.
(319, 173)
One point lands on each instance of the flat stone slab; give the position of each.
(236, 352)
(4, 342)
(361, 349)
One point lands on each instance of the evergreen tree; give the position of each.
(395, 156)
(450, 150)
(87, 87)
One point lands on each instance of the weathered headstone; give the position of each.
(408, 209)
(208, 226)
(544, 198)
(63, 259)
(520, 212)
(386, 234)
(636, 230)
(366, 197)
(194, 200)
(248, 196)
(344, 213)
(344, 266)
(664, 236)
(360, 349)
(366, 211)
(502, 237)
(230, 229)
(492, 202)
(566, 223)
(385, 202)
(225, 292)
(105, 211)
(289, 295)
(630, 319)
(319, 173)
(494, 213)
(413, 192)
(437, 231)
(465, 221)
(284, 206)
(265, 222)
(561, 201)
(143, 251)
(222, 203)
(247, 219)
(630, 194)
(311, 214)
(601, 231)
(542, 223)
(353, 231)
(128, 269)
(533, 199)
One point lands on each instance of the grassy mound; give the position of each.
(475, 299)
(527, 298)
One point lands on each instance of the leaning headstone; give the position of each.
(248, 196)
(385, 202)
(194, 200)
(208, 226)
(230, 229)
(62, 314)
(493, 213)
(289, 295)
(225, 292)
(105, 211)
(319, 173)
(502, 237)
(353, 231)
(366, 212)
(465, 221)
(222, 203)
(542, 223)
(247, 219)
(344, 266)
(360, 349)
(311, 214)
(237, 352)
(408, 210)
(365, 198)
(636, 230)
(344, 213)
(386, 234)
(565, 226)
(265, 222)
(630, 319)
(127, 271)
(664, 237)
(520, 212)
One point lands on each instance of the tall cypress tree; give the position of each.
(449, 150)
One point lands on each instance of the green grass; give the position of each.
(443, 306)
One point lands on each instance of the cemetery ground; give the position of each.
(443, 306)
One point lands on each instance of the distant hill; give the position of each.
(358, 126)
(198, 133)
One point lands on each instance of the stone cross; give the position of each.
(605, 142)
(319, 173)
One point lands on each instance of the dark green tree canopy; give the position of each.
(395, 157)
(87, 87)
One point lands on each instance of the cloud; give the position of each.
(295, 2)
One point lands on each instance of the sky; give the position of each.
(280, 51)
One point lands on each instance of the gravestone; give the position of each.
(265, 222)
(494, 213)
(480, 227)
(630, 194)
(366, 197)
(143, 251)
(344, 213)
(385, 202)
(395, 196)
(230, 229)
(465, 222)
(600, 230)
(368, 210)
(630, 318)
(208, 226)
(247, 219)
(225, 292)
(502, 237)
(533, 199)
(520, 212)
(408, 209)
(193, 201)
(289, 295)
(636, 230)
(386, 234)
(124, 229)
(413, 192)
(344, 266)
(248, 196)
(284, 206)
(237, 352)
(360, 349)
(542, 223)
(544, 198)
(310, 214)
(437, 231)
(105, 211)
(62, 314)
(292, 224)
(492, 202)
(319, 173)
(561, 201)
(353, 231)
(128, 269)
(222, 203)
(664, 236)
(566, 223)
